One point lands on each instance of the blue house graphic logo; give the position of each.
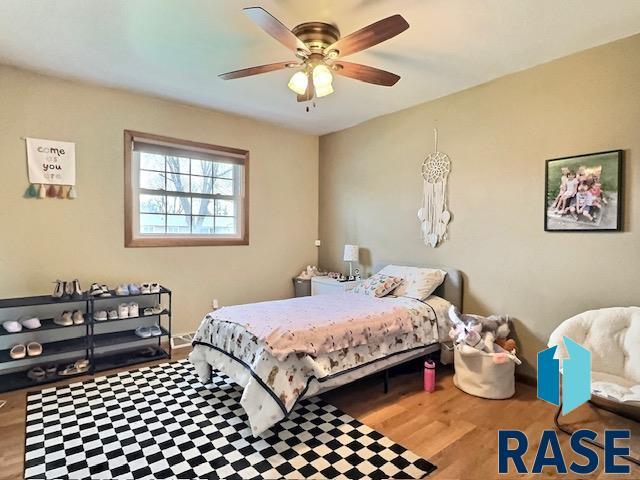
(576, 376)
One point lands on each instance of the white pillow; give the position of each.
(417, 282)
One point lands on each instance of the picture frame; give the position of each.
(584, 193)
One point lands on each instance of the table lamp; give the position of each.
(350, 255)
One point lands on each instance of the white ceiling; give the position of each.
(176, 49)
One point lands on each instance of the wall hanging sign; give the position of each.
(52, 168)
(584, 193)
(434, 216)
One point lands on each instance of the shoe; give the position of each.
(34, 349)
(58, 291)
(155, 288)
(36, 374)
(68, 289)
(96, 290)
(143, 332)
(80, 366)
(78, 317)
(134, 289)
(122, 290)
(18, 351)
(11, 326)
(113, 314)
(100, 316)
(123, 310)
(145, 288)
(155, 331)
(148, 311)
(134, 310)
(31, 323)
(76, 290)
(65, 319)
(157, 310)
(51, 369)
(105, 291)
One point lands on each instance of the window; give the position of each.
(180, 193)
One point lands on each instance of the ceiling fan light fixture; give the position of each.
(322, 76)
(299, 82)
(324, 90)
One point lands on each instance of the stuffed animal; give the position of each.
(486, 330)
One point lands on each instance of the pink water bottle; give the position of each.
(429, 376)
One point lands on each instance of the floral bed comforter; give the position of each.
(273, 383)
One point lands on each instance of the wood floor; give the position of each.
(454, 430)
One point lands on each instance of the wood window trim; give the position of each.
(131, 240)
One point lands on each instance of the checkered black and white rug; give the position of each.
(161, 422)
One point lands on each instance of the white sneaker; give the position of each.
(31, 323)
(100, 316)
(145, 288)
(148, 311)
(113, 314)
(123, 310)
(12, 326)
(134, 310)
(155, 288)
(157, 310)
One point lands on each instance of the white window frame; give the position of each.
(138, 141)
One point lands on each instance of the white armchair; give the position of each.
(612, 335)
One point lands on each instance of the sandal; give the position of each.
(18, 351)
(80, 366)
(36, 374)
(34, 349)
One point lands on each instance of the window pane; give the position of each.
(201, 167)
(223, 170)
(202, 184)
(178, 224)
(178, 165)
(222, 187)
(151, 180)
(225, 225)
(151, 161)
(151, 223)
(177, 183)
(151, 203)
(203, 225)
(202, 206)
(225, 208)
(179, 205)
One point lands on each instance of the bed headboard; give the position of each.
(451, 288)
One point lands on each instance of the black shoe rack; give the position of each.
(101, 342)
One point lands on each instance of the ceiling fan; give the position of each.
(319, 50)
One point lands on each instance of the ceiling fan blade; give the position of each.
(311, 90)
(365, 73)
(246, 72)
(369, 36)
(275, 28)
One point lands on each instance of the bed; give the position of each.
(282, 351)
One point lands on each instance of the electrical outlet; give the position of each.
(214, 304)
(317, 243)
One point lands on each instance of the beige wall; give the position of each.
(41, 240)
(498, 136)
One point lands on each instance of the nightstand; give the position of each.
(327, 286)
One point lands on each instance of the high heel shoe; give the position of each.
(59, 289)
(76, 290)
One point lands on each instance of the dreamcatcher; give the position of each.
(434, 216)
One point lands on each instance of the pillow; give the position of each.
(417, 282)
(377, 285)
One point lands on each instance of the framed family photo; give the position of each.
(583, 193)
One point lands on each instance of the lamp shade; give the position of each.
(351, 253)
